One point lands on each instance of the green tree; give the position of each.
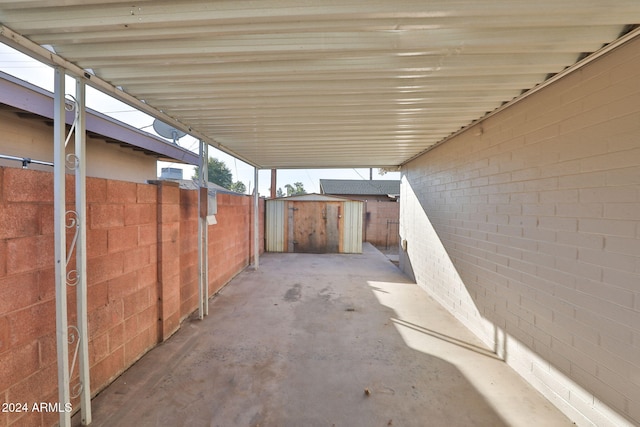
(238, 187)
(217, 172)
(296, 189)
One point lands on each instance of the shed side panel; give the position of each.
(352, 230)
(275, 225)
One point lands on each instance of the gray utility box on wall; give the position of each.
(209, 204)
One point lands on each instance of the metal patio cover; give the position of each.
(331, 83)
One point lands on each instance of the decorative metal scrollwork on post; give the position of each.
(71, 104)
(75, 338)
(74, 383)
(72, 161)
(72, 277)
(72, 222)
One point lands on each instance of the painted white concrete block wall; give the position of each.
(527, 228)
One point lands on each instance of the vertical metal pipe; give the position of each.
(81, 254)
(256, 223)
(201, 181)
(59, 222)
(205, 254)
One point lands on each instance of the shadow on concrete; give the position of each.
(307, 340)
(452, 340)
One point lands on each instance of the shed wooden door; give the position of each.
(315, 226)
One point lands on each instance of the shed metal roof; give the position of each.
(360, 187)
(331, 83)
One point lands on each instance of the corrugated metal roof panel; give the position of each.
(337, 83)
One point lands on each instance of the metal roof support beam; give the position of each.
(59, 215)
(256, 223)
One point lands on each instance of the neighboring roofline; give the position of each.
(25, 96)
(327, 196)
(380, 192)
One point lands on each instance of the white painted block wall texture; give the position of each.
(528, 226)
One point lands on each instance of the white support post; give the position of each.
(81, 255)
(59, 221)
(200, 233)
(205, 225)
(203, 203)
(203, 232)
(256, 223)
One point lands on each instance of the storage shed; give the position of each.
(314, 223)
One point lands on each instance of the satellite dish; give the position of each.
(167, 131)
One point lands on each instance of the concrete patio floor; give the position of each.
(323, 340)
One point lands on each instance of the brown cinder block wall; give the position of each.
(381, 223)
(527, 228)
(230, 243)
(141, 268)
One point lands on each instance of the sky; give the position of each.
(28, 69)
